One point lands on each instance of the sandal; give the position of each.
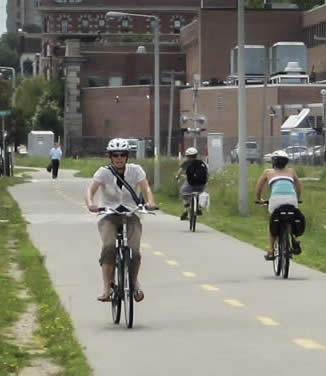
(106, 297)
(269, 256)
(138, 295)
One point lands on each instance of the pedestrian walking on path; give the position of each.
(55, 156)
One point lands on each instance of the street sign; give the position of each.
(5, 113)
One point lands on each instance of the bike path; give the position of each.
(212, 305)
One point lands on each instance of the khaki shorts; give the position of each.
(108, 227)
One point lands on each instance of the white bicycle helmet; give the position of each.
(118, 144)
(280, 154)
(191, 151)
(279, 159)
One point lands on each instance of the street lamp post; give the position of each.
(157, 154)
(242, 116)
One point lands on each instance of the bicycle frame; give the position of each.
(283, 242)
(123, 273)
(192, 209)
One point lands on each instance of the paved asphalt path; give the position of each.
(212, 304)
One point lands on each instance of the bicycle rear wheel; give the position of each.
(117, 286)
(277, 262)
(128, 287)
(193, 214)
(285, 250)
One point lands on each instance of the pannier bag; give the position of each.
(298, 222)
(204, 200)
(197, 173)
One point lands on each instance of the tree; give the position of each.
(28, 95)
(8, 57)
(48, 115)
(307, 4)
(31, 28)
(5, 89)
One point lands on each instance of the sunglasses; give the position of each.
(117, 155)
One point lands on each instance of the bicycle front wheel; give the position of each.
(285, 250)
(117, 286)
(128, 287)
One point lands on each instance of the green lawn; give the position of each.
(223, 214)
(56, 334)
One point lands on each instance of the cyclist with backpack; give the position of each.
(285, 188)
(117, 183)
(196, 178)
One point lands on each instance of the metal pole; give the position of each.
(195, 107)
(171, 114)
(242, 116)
(4, 148)
(323, 96)
(157, 154)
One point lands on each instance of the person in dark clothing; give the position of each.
(188, 187)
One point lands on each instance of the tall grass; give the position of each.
(224, 214)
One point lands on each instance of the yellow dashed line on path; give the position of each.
(189, 274)
(234, 302)
(172, 262)
(146, 245)
(309, 344)
(268, 321)
(158, 253)
(209, 287)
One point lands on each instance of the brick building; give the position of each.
(21, 13)
(208, 42)
(101, 62)
(109, 89)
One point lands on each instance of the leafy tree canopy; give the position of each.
(48, 116)
(29, 93)
(5, 89)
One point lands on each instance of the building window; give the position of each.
(64, 26)
(101, 25)
(46, 25)
(152, 26)
(125, 25)
(37, 3)
(85, 25)
(176, 26)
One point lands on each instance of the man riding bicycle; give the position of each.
(196, 173)
(115, 195)
(285, 189)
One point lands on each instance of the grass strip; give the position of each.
(56, 333)
(223, 214)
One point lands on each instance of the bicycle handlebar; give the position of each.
(142, 209)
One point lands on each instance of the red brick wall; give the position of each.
(131, 66)
(131, 115)
(218, 35)
(226, 120)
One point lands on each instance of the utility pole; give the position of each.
(173, 74)
(242, 116)
(171, 113)
(195, 98)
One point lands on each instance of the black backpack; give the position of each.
(197, 173)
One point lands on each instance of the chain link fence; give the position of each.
(307, 149)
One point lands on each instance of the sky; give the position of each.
(3, 16)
